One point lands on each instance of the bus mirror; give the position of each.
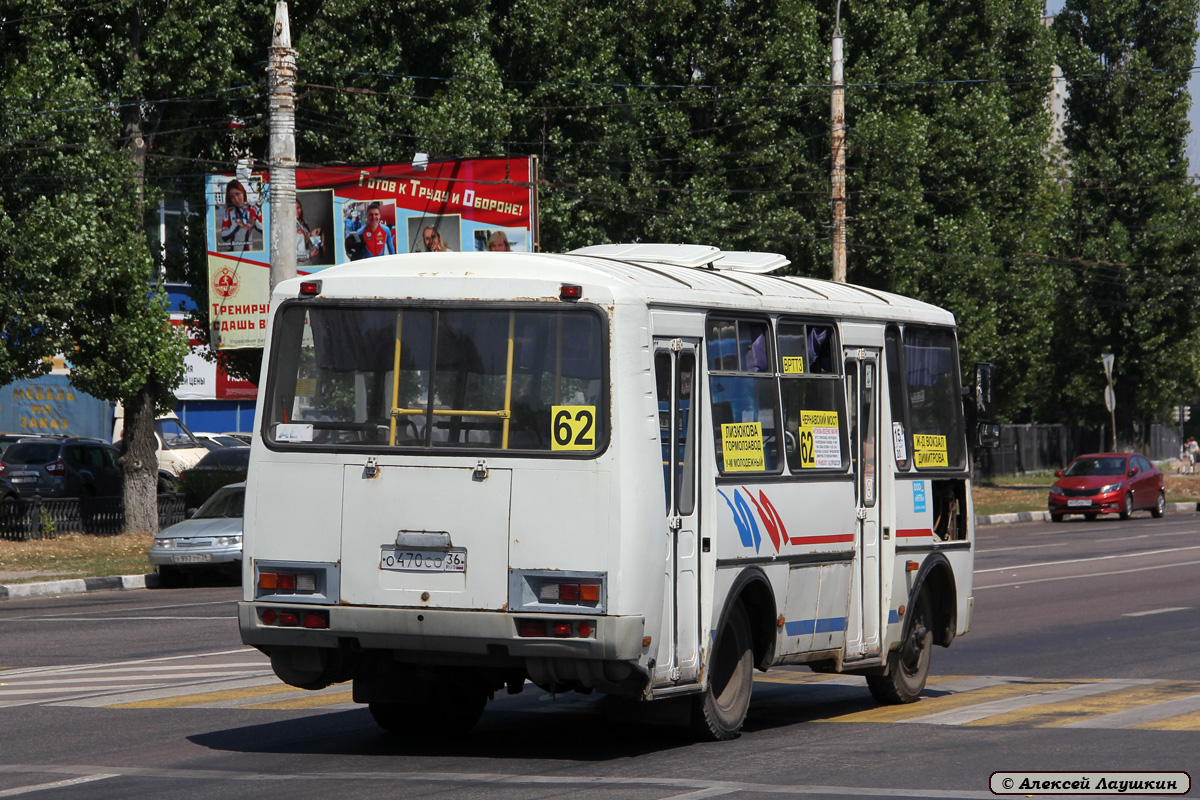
(988, 434)
(985, 402)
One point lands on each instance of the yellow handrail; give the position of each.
(512, 322)
(395, 379)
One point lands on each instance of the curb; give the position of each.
(1044, 516)
(78, 586)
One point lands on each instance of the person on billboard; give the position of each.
(498, 242)
(433, 240)
(377, 239)
(308, 240)
(240, 220)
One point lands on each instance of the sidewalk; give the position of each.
(119, 582)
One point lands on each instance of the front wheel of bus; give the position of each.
(454, 713)
(908, 666)
(718, 714)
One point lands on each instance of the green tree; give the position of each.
(952, 196)
(1131, 234)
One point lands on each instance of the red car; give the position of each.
(1107, 483)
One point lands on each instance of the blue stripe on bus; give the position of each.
(800, 627)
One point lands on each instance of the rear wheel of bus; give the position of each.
(908, 665)
(718, 714)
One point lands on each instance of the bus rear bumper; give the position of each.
(426, 633)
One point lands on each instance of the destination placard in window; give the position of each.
(742, 447)
(930, 451)
(820, 440)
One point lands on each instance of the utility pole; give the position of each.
(838, 111)
(281, 79)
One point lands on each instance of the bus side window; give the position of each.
(662, 382)
(744, 396)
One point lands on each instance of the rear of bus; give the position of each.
(432, 490)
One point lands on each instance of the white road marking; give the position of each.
(41, 787)
(1087, 575)
(1088, 560)
(710, 788)
(1136, 716)
(960, 716)
(1156, 611)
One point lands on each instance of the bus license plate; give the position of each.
(423, 560)
(192, 558)
(1079, 503)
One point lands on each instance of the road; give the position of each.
(1082, 656)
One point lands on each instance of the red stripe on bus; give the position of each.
(840, 537)
(914, 532)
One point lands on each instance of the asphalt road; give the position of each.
(1083, 655)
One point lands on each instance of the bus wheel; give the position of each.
(718, 714)
(456, 712)
(908, 666)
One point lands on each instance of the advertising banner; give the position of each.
(352, 212)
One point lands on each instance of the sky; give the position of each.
(1193, 143)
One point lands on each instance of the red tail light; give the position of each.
(57, 468)
(2, 468)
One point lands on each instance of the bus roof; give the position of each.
(695, 276)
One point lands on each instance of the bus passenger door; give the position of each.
(678, 658)
(862, 402)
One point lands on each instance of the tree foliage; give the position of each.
(1132, 228)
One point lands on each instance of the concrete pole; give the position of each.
(838, 109)
(281, 80)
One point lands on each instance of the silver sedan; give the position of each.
(211, 538)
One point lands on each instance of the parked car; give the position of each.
(215, 441)
(218, 468)
(8, 491)
(66, 467)
(1107, 483)
(177, 449)
(211, 538)
(9, 439)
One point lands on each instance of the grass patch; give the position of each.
(74, 555)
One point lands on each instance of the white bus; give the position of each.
(642, 470)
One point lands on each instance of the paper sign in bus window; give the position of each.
(820, 440)
(573, 427)
(742, 447)
(793, 365)
(930, 450)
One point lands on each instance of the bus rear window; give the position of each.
(470, 378)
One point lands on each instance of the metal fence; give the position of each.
(1045, 448)
(38, 518)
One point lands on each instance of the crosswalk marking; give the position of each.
(242, 679)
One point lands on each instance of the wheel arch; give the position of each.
(937, 576)
(752, 589)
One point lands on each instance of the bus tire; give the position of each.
(718, 713)
(456, 712)
(908, 665)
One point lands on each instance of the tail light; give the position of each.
(302, 582)
(528, 628)
(57, 468)
(2, 468)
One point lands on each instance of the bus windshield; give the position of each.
(472, 378)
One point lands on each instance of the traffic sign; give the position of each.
(1110, 399)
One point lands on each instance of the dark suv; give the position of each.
(62, 468)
